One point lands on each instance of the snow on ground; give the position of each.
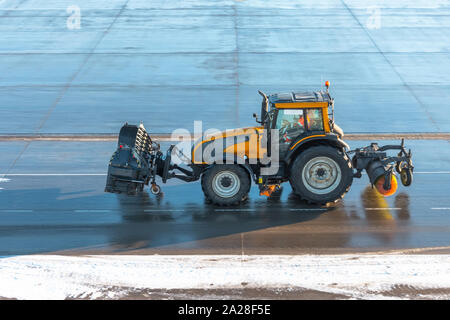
(358, 276)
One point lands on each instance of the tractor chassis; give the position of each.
(126, 176)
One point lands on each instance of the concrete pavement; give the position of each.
(134, 60)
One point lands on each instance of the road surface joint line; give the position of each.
(96, 137)
(383, 54)
(242, 247)
(79, 69)
(25, 147)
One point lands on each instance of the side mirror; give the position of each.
(256, 118)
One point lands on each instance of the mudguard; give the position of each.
(300, 143)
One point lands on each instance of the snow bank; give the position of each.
(359, 276)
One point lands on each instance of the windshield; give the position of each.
(291, 124)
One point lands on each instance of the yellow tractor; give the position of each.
(296, 140)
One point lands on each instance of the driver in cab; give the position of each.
(291, 129)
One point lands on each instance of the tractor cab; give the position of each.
(298, 116)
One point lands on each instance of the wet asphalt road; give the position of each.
(134, 60)
(54, 202)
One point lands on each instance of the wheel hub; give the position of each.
(321, 175)
(320, 172)
(226, 184)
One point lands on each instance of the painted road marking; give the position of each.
(440, 208)
(15, 211)
(4, 180)
(233, 210)
(432, 172)
(423, 172)
(89, 210)
(383, 208)
(53, 174)
(164, 210)
(312, 209)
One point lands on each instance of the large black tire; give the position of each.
(321, 174)
(226, 185)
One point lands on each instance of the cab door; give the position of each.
(290, 124)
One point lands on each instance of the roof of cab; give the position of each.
(317, 96)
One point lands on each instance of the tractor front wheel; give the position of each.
(321, 174)
(226, 185)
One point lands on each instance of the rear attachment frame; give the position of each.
(376, 162)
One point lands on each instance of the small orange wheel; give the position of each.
(379, 186)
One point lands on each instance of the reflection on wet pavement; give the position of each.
(60, 214)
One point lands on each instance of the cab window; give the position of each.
(314, 119)
(290, 123)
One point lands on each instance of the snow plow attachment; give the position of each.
(138, 160)
(380, 167)
(128, 169)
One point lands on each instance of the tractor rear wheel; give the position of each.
(321, 174)
(226, 185)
